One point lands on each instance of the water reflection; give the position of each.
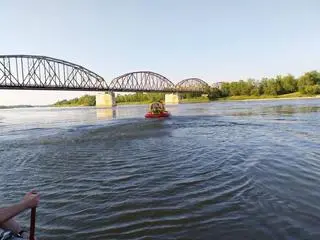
(106, 113)
(277, 110)
(291, 109)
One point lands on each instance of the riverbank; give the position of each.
(289, 96)
(186, 100)
(15, 106)
(134, 103)
(195, 100)
(292, 96)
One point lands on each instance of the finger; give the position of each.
(33, 191)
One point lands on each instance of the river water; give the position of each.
(222, 170)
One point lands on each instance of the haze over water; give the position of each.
(222, 170)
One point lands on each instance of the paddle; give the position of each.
(32, 223)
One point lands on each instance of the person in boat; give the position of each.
(162, 106)
(157, 107)
(9, 228)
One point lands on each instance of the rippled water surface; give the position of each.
(236, 170)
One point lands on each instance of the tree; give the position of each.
(140, 97)
(225, 89)
(214, 93)
(289, 83)
(308, 79)
(85, 100)
(234, 89)
(314, 89)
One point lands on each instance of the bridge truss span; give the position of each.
(36, 72)
(40, 72)
(192, 85)
(143, 81)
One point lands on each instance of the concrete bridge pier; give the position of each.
(172, 98)
(106, 99)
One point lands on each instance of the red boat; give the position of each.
(157, 115)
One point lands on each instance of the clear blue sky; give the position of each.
(213, 40)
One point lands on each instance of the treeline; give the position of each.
(309, 84)
(140, 97)
(88, 100)
(85, 100)
(15, 106)
(190, 95)
(151, 97)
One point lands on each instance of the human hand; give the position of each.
(31, 199)
(25, 235)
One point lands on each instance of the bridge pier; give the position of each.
(106, 99)
(172, 98)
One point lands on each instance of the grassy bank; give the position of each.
(133, 103)
(294, 95)
(195, 100)
(70, 105)
(186, 100)
(120, 103)
(15, 106)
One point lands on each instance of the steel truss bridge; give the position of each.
(30, 72)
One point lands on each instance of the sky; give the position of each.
(223, 40)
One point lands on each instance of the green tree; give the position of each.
(314, 89)
(308, 79)
(140, 97)
(85, 100)
(234, 89)
(271, 86)
(225, 89)
(288, 83)
(214, 93)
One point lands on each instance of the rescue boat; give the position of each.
(163, 114)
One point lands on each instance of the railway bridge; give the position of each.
(34, 72)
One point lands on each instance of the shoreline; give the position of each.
(217, 100)
(270, 99)
(186, 102)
